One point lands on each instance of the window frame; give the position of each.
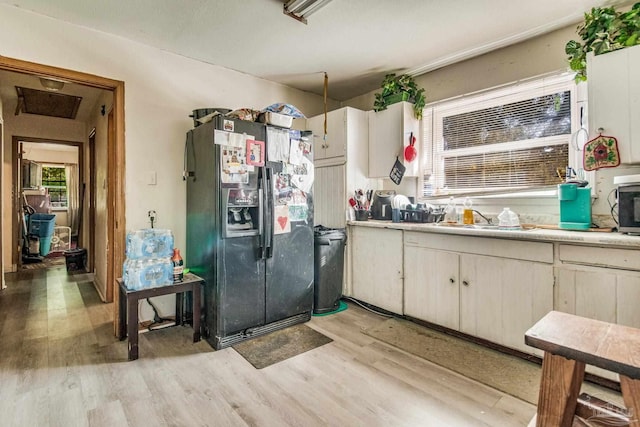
(42, 180)
(433, 149)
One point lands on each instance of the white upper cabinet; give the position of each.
(390, 131)
(340, 162)
(332, 147)
(614, 99)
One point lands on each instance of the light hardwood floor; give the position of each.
(61, 366)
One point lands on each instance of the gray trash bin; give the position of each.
(328, 268)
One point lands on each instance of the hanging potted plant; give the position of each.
(397, 89)
(604, 30)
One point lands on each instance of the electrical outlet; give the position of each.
(152, 217)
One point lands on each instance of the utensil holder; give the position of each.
(362, 215)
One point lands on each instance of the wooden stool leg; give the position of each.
(631, 395)
(559, 389)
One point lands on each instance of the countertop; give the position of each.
(594, 238)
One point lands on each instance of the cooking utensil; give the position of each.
(410, 152)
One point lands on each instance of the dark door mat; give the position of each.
(280, 345)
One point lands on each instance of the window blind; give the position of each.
(510, 138)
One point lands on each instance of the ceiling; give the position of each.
(355, 41)
(9, 80)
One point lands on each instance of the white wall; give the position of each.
(31, 151)
(535, 57)
(161, 90)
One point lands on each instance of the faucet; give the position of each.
(484, 217)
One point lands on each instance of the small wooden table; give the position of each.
(571, 342)
(128, 302)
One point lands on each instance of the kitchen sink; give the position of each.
(484, 227)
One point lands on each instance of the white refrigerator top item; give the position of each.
(626, 179)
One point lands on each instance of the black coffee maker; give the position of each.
(381, 204)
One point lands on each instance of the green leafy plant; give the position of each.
(604, 30)
(393, 85)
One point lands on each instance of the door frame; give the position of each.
(16, 144)
(115, 173)
(93, 188)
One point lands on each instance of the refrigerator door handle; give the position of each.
(268, 217)
(262, 203)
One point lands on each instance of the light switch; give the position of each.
(152, 178)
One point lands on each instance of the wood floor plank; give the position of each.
(60, 365)
(108, 415)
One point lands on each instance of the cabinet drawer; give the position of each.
(503, 248)
(628, 259)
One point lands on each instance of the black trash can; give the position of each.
(328, 268)
(76, 260)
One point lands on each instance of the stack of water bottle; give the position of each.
(148, 261)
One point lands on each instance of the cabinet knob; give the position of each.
(452, 280)
(464, 282)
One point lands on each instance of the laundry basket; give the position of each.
(42, 225)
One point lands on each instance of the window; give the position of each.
(55, 181)
(513, 138)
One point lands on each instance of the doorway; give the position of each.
(49, 181)
(114, 180)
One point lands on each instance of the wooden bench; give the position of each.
(571, 342)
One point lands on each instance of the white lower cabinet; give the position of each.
(602, 284)
(431, 290)
(606, 294)
(495, 296)
(501, 298)
(376, 266)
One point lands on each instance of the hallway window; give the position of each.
(55, 181)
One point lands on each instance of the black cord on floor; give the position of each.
(353, 300)
(156, 316)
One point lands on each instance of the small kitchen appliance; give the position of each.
(381, 205)
(628, 203)
(575, 206)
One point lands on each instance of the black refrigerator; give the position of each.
(250, 226)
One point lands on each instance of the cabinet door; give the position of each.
(634, 104)
(431, 289)
(527, 292)
(500, 298)
(333, 146)
(316, 126)
(587, 292)
(389, 132)
(628, 296)
(376, 265)
(614, 99)
(480, 296)
(336, 143)
(606, 294)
